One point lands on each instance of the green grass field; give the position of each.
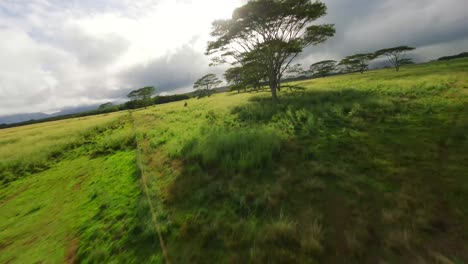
(369, 168)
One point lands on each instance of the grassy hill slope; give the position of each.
(355, 168)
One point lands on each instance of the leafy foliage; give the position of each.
(270, 32)
(250, 75)
(144, 93)
(142, 96)
(323, 68)
(295, 71)
(357, 62)
(205, 84)
(106, 106)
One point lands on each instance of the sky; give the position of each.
(56, 54)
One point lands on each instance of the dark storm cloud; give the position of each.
(366, 26)
(179, 69)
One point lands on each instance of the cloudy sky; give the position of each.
(56, 53)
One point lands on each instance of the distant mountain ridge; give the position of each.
(17, 118)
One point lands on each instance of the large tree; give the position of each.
(271, 32)
(357, 62)
(142, 95)
(205, 84)
(394, 55)
(322, 68)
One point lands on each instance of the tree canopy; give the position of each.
(251, 75)
(271, 32)
(235, 78)
(144, 93)
(142, 96)
(357, 62)
(322, 68)
(205, 84)
(394, 55)
(106, 105)
(294, 71)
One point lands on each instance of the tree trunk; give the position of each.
(273, 88)
(274, 85)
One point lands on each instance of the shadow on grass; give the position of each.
(123, 233)
(263, 109)
(242, 187)
(318, 174)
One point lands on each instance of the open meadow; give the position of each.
(355, 168)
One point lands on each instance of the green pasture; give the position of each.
(356, 168)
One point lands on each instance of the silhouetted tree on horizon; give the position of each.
(394, 55)
(357, 62)
(206, 84)
(142, 95)
(322, 68)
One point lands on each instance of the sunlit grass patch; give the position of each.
(34, 148)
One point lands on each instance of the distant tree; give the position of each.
(206, 84)
(357, 62)
(294, 71)
(250, 75)
(271, 32)
(142, 96)
(347, 66)
(322, 68)
(170, 98)
(106, 106)
(234, 78)
(254, 73)
(394, 55)
(459, 56)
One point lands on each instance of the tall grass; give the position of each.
(357, 168)
(234, 151)
(34, 148)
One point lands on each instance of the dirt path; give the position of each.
(72, 250)
(145, 187)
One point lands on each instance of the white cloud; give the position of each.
(56, 53)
